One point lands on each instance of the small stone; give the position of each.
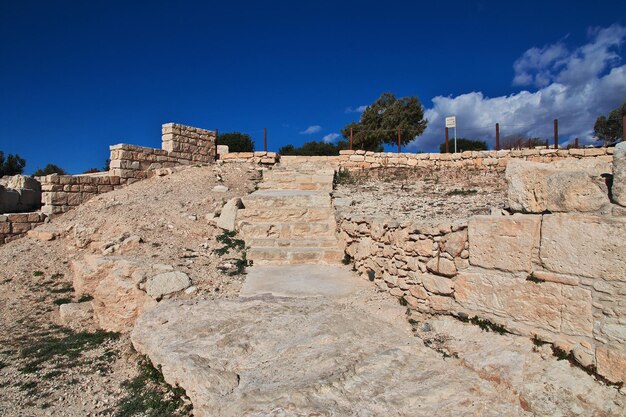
(167, 283)
(220, 188)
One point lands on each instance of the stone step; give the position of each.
(286, 214)
(286, 230)
(291, 176)
(277, 198)
(294, 255)
(296, 186)
(327, 242)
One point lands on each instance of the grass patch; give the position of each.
(240, 266)
(533, 278)
(462, 192)
(149, 395)
(538, 342)
(347, 259)
(62, 347)
(343, 176)
(60, 301)
(2, 365)
(38, 273)
(484, 324)
(84, 298)
(64, 289)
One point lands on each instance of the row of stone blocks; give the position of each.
(16, 225)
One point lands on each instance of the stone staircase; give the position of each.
(290, 218)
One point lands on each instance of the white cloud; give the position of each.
(311, 129)
(330, 137)
(573, 86)
(359, 109)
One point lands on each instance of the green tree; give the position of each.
(609, 129)
(314, 148)
(236, 142)
(49, 169)
(12, 165)
(380, 122)
(463, 144)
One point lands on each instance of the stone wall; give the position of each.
(19, 194)
(61, 193)
(262, 158)
(181, 145)
(490, 160)
(559, 277)
(16, 225)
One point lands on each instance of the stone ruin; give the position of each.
(550, 267)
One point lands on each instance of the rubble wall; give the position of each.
(559, 277)
(60, 193)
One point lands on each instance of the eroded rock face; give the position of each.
(535, 187)
(270, 357)
(167, 283)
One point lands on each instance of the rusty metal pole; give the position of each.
(447, 142)
(547, 144)
(264, 139)
(528, 143)
(399, 140)
(350, 138)
(556, 133)
(576, 143)
(497, 136)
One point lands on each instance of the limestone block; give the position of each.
(577, 317)
(558, 187)
(619, 174)
(442, 266)
(503, 242)
(228, 215)
(437, 284)
(611, 363)
(504, 296)
(454, 243)
(586, 245)
(167, 283)
(418, 291)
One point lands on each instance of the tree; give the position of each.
(236, 142)
(314, 149)
(13, 165)
(49, 169)
(609, 129)
(463, 144)
(380, 122)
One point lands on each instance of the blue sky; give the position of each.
(77, 76)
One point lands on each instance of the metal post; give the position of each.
(528, 143)
(399, 140)
(447, 143)
(547, 144)
(264, 139)
(350, 138)
(556, 133)
(497, 136)
(576, 143)
(454, 137)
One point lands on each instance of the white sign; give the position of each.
(451, 121)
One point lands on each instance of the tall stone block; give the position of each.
(590, 246)
(504, 242)
(619, 174)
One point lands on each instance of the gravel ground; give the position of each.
(47, 369)
(421, 195)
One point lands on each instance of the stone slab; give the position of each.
(300, 281)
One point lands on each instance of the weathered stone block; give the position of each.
(515, 299)
(437, 284)
(503, 242)
(591, 246)
(619, 174)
